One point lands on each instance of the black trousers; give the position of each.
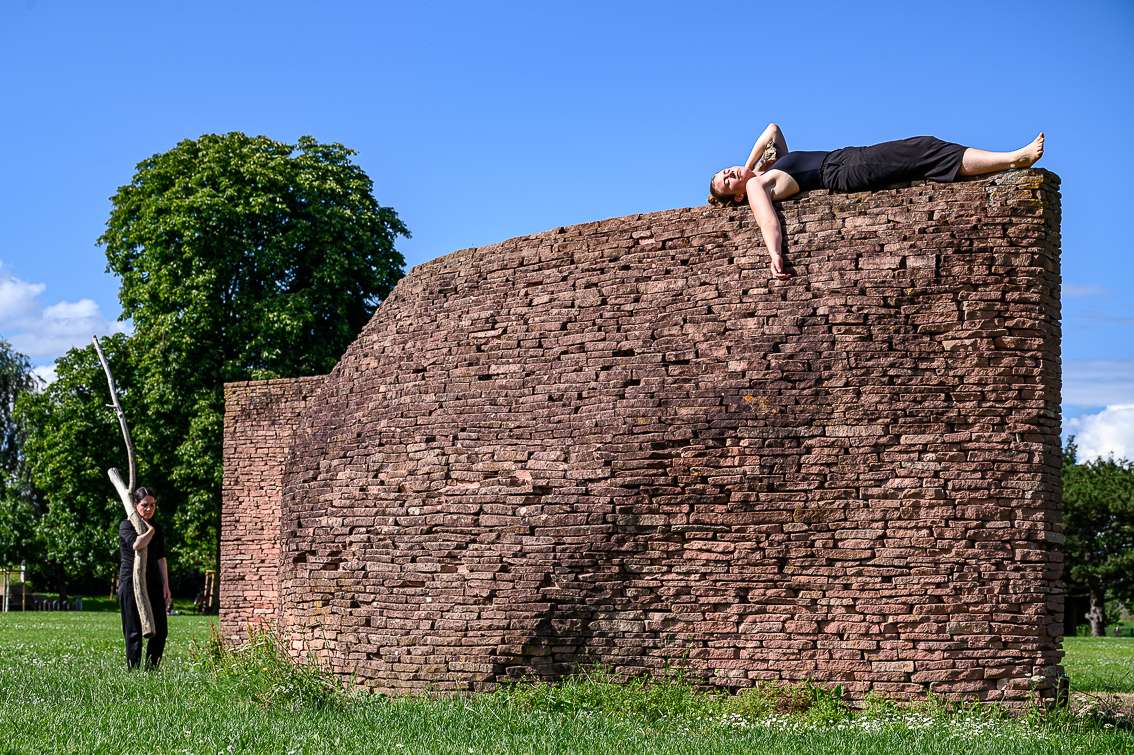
(132, 623)
(867, 168)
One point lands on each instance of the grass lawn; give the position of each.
(63, 688)
(1100, 664)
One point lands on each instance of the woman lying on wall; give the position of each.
(772, 173)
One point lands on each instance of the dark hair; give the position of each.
(141, 493)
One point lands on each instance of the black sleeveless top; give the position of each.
(804, 167)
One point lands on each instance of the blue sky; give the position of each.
(482, 121)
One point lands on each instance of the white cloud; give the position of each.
(47, 331)
(1098, 382)
(66, 311)
(1108, 433)
(46, 373)
(17, 298)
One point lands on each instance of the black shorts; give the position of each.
(866, 168)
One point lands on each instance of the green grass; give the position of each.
(63, 688)
(1100, 664)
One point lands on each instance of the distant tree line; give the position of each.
(19, 506)
(239, 258)
(1098, 520)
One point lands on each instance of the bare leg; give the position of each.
(977, 162)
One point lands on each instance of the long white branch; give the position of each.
(117, 410)
(141, 596)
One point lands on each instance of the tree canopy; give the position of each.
(240, 258)
(243, 257)
(17, 503)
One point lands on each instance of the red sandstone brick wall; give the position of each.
(621, 442)
(259, 420)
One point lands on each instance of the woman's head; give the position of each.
(145, 502)
(726, 187)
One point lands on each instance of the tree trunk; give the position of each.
(1097, 614)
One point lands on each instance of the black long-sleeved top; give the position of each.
(154, 551)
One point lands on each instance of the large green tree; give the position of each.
(240, 258)
(1098, 519)
(17, 501)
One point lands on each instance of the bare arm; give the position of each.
(144, 539)
(771, 135)
(165, 582)
(760, 200)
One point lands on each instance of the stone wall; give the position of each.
(621, 442)
(259, 420)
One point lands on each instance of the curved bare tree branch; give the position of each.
(141, 596)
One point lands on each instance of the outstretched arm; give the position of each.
(760, 200)
(771, 135)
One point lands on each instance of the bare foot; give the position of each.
(1027, 156)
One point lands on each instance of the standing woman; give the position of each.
(772, 173)
(157, 582)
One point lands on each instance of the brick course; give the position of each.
(621, 442)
